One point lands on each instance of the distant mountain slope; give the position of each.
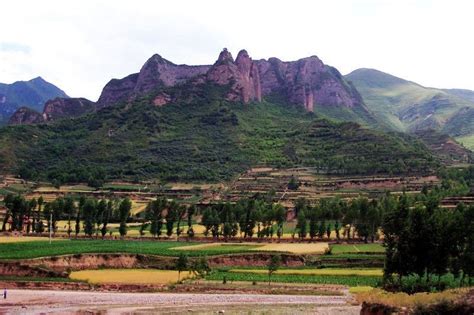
(407, 106)
(32, 94)
(462, 93)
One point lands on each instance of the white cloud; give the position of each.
(80, 45)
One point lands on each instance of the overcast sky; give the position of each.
(81, 45)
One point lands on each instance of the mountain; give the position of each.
(210, 123)
(468, 95)
(54, 109)
(407, 106)
(307, 83)
(32, 94)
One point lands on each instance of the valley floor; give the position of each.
(75, 302)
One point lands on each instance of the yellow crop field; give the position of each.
(318, 272)
(138, 207)
(129, 276)
(17, 239)
(295, 248)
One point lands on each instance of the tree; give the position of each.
(191, 212)
(293, 184)
(101, 213)
(69, 209)
(336, 229)
(154, 212)
(328, 230)
(82, 201)
(301, 224)
(200, 266)
(321, 229)
(106, 218)
(181, 264)
(31, 220)
(280, 218)
(89, 213)
(313, 222)
(180, 212)
(124, 214)
(8, 201)
(273, 265)
(171, 217)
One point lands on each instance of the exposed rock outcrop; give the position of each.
(53, 109)
(156, 72)
(307, 82)
(25, 116)
(242, 75)
(66, 107)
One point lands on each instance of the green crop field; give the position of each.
(26, 250)
(357, 248)
(292, 278)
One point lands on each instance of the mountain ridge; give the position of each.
(407, 106)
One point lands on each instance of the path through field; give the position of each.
(69, 302)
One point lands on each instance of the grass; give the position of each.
(26, 250)
(316, 272)
(467, 141)
(357, 248)
(301, 278)
(129, 276)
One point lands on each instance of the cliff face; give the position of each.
(66, 107)
(25, 116)
(307, 82)
(156, 72)
(53, 109)
(242, 75)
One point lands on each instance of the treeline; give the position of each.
(38, 216)
(424, 241)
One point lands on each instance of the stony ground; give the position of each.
(74, 302)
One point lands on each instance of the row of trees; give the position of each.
(39, 215)
(424, 240)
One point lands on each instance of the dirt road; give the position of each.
(80, 302)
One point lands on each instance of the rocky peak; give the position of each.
(155, 73)
(307, 82)
(225, 57)
(242, 75)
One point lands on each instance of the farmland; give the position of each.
(25, 250)
(129, 276)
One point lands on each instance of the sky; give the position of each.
(80, 45)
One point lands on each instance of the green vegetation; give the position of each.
(406, 106)
(424, 241)
(262, 277)
(33, 279)
(467, 141)
(25, 250)
(202, 139)
(357, 248)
